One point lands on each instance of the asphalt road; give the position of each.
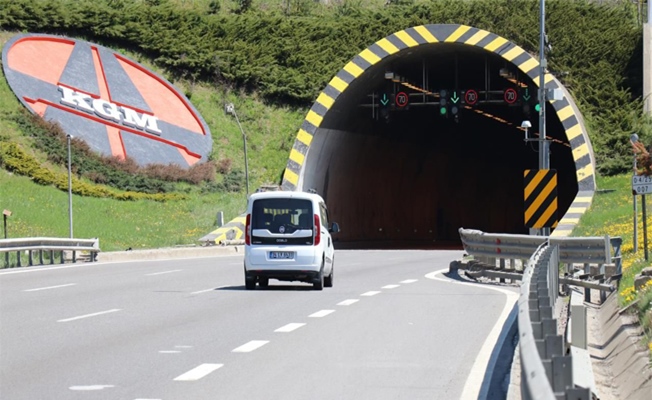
(390, 328)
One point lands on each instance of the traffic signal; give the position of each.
(455, 103)
(443, 102)
(537, 107)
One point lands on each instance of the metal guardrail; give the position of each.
(40, 245)
(584, 250)
(547, 373)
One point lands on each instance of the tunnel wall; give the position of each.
(307, 145)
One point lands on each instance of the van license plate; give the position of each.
(284, 255)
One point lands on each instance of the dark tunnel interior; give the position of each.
(398, 176)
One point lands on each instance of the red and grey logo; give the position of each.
(117, 106)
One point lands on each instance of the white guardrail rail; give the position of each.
(551, 367)
(46, 249)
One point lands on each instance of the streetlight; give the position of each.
(69, 138)
(5, 214)
(230, 109)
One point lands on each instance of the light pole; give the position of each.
(69, 138)
(230, 109)
(633, 139)
(544, 157)
(5, 214)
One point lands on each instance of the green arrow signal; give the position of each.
(384, 100)
(455, 98)
(527, 96)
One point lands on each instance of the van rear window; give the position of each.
(282, 216)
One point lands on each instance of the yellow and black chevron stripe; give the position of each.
(432, 35)
(540, 196)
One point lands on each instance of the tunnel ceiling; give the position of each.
(395, 174)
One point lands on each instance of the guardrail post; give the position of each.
(30, 259)
(51, 256)
(587, 291)
(74, 256)
(562, 373)
(62, 257)
(502, 267)
(18, 264)
(40, 256)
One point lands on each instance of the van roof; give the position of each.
(285, 194)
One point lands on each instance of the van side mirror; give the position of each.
(335, 228)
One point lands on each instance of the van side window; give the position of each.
(324, 215)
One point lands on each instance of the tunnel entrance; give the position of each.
(427, 140)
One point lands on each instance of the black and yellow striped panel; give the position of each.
(540, 196)
(434, 34)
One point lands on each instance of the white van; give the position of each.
(288, 238)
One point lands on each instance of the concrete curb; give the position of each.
(170, 253)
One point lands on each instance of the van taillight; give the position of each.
(248, 230)
(317, 230)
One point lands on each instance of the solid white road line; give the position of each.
(89, 315)
(409, 281)
(251, 346)
(320, 314)
(371, 293)
(164, 272)
(49, 287)
(290, 327)
(390, 286)
(348, 302)
(473, 383)
(198, 372)
(169, 351)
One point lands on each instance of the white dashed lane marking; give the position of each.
(290, 327)
(409, 281)
(390, 286)
(89, 315)
(208, 290)
(371, 293)
(169, 352)
(90, 387)
(50, 287)
(320, 314)
(164, 272)
(347, 302)
(251, 346)
(198, 372)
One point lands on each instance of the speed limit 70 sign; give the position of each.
(641, 184)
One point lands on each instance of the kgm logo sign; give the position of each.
(116, 105)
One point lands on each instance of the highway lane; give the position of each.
(187, 329)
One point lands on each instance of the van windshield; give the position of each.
(282, 215)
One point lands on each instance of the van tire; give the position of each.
(318, 283)
(263, 282)
(328, 281)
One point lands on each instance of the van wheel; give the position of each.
(250, 281)
(328, 281)
(263, 282)
(318, 283)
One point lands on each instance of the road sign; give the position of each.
(401, 99)
(471, 97)
(641, 184)
(510, 96)
(540, 196)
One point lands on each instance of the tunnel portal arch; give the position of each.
(433, 37)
